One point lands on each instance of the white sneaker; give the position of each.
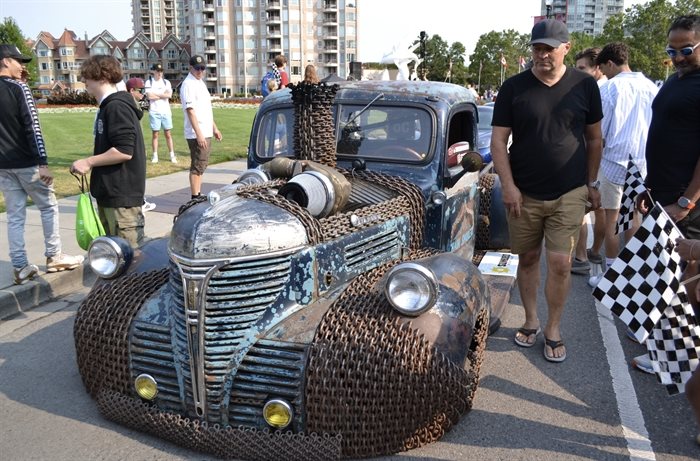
(593, 281)
(25, 273)
(147, 206)
(155, 158)
(643, 363)
(172, 157)
(63, 262)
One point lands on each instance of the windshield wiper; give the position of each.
(362, 111)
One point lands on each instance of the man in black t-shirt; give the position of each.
(553, 113)
(673, 158)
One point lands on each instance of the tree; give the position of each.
(11, 33)
(485, 62)
(644, 28)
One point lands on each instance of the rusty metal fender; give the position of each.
(462, 294)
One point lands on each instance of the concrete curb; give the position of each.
(18, 299)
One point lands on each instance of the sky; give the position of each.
(382, 24)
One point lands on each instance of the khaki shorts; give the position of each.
(126, 223)
(610, 193)
(558, 221)
(199, 158)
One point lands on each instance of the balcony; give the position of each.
(274, 31)
(273, 5)
(330, 32)
(274, 19)
(330, 18)
(208, 6)
(329, 5)
(274, 44)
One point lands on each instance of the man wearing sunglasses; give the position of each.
(199, 121)
(673, 143)
(159, 90)
(673, 152)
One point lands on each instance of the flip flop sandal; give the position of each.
(553, 345)
(527, 332)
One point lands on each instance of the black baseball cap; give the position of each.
(11, 51)
(550, 32)
(196, 60)
(158, 67)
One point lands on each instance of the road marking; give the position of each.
(631, 418)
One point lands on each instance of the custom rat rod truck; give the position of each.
(324, 305)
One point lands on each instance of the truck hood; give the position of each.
(235, 227)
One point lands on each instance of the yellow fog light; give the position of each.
(277, 413)
(146, 386)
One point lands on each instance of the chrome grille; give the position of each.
(237, 295)
(152, 353)
(271, 369)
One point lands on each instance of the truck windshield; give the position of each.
(380, 132)
(385, 133)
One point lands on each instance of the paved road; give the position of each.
(526, 408)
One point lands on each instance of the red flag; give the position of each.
(503, 61)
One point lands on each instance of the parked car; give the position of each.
(323, 306)
(484, 125)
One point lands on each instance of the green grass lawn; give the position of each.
(68, 137)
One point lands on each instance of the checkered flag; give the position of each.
(634, 185)
(645, 277)
(674, 344)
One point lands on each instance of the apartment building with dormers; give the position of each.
(59, 59)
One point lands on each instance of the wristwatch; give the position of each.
(686, 203)
(594, 184)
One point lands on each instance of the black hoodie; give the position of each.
(118, 125)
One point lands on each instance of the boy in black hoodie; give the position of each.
(118, 163)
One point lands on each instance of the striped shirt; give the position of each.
(627, 99)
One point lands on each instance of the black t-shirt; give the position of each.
(673, 143)
(548, 155)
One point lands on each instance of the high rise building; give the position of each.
(239, 38)
(158, 18)
(586, 16)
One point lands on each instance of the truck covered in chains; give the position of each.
(325, 304)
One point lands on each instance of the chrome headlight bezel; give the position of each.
(280, 405)
(411, 289)
(109, 257)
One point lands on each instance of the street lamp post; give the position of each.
(423, 37)
(548, 8)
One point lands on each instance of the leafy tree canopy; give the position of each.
(11, 33)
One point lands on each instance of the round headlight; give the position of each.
(277, 413)
(109, 256)
(146, 387)
(411, 288)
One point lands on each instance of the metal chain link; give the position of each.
(101, 329)
(376, 381)
(483, 234)
(224, 442)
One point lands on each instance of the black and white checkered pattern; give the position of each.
(634, 185)
(674, 344)
(645, 277)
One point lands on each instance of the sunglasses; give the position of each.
(142, 90)
(199, 68)
(687, 51)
